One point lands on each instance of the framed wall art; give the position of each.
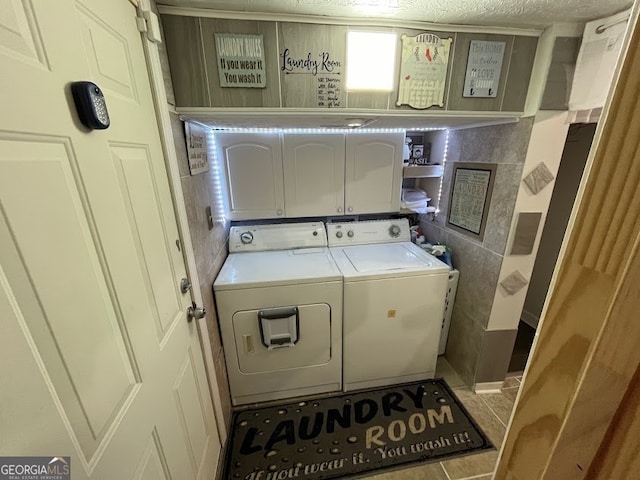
(470, 197)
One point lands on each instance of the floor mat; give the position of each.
(348, 435)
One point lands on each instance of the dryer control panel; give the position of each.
(374, 231)
(283, 236)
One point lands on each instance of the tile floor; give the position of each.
(490, 410)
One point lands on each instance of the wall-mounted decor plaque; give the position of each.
(471, 189)
(196, 137)
(312, 65)
(483, 69)
(241, 60)
(423, 70)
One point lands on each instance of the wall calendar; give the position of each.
(423, 70)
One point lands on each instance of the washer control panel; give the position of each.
(258, 238)
(374, 231)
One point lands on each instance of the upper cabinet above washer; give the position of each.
(314, 174)
(299, 175)
(253, 171)
(373, 172)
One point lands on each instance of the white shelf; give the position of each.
(418, 210)
(422, 171)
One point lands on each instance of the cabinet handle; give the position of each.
(350, 209)
(339, 209)
(279, 212)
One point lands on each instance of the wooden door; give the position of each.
(313, 174)
(98, 360)
(253, 169)
(373, 172)
(576, 417)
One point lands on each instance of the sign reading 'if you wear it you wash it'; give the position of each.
(241, 60)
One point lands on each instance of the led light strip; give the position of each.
(444, 163)
(321, 130)
(221, 209)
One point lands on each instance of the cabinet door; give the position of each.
(314, 174)
(373, 172)
(253, 169)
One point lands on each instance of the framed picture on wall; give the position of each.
(470, 197)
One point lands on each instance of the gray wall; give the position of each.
(193, 60)
(479, 262)
(574, 158)
(209, 248)
(560, 76)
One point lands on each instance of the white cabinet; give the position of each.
(253, 169)
(373, 172)
(313, 174)
(298, 175)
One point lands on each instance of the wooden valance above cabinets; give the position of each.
(246, 65)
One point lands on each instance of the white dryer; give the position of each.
(394, 298)
(279, 302)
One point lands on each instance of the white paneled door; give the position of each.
(98, 359)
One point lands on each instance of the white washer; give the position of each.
(279, 303)
(394, 298)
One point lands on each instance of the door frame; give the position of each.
(585, 355)
(159, 96)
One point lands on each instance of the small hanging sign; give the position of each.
(483, 69)
(241, 60)
(423, 70)
(196, 137)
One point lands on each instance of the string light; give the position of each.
(218, 183)
(318, 131)
(444, 163)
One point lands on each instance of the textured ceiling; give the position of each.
(514, 13)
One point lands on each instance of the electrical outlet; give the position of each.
(209, 217)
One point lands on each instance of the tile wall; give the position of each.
(470, 346)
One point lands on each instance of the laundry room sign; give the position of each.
(323, 66)
(350, 434)
(241, 60)
(311, 61)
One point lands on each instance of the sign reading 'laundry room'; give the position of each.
(240, 60)
(350, 434)
(324, 66)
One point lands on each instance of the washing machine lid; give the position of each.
(281, 267)
(358, 262)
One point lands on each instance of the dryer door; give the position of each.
(312, 348)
